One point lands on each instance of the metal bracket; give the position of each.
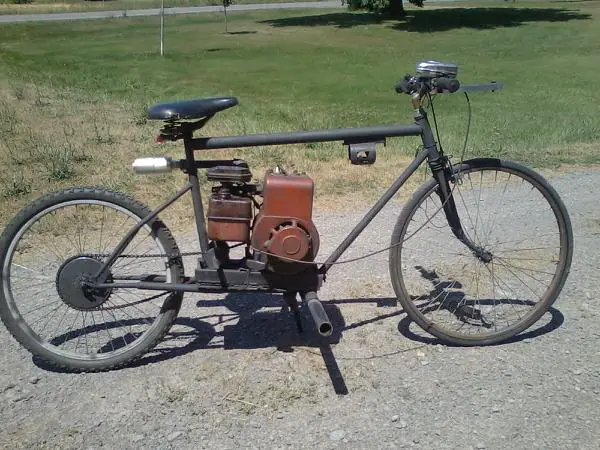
(362, 152)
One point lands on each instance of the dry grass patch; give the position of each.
(53, 139)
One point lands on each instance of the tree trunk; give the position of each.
(395, 9)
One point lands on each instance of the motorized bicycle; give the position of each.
(92, 279)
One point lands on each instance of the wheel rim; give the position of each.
(80, 228)
(478, 298)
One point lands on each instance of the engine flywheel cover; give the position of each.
(289, 241)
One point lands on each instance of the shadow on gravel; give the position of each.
(556, 320)
(252, 326)
(199, 338)
(256, 328)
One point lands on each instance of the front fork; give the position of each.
(444, 174)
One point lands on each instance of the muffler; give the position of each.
(318, 313)
(152, 165)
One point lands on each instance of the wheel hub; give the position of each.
(483, 255)
(72, 283)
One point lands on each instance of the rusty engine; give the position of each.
(281, 236)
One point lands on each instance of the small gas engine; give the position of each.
(281, 236)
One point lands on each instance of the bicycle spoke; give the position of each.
(110, 338)
(467, 211)
(95, 330)
(129, 315)
(518, 278)
(525, 269)
(40, 307)
(512, 305)
(478, 203)
(498, 204)
(531, 249)
(493, 295)
(59, 324)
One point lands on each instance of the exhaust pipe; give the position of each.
(152, 165)
(318, 313)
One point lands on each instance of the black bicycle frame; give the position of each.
(429, 152)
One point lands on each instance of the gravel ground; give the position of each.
(235, 373)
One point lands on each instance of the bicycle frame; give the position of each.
(245, 280)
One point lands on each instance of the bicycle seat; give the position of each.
(190, 109)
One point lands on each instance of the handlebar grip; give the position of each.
(403, 86)
(446, 84)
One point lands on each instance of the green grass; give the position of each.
(307, 69)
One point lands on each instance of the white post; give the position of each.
(162, 27)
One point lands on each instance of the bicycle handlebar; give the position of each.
(405, 85)
(411, 84)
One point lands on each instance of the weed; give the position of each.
(19, 92)
(8, 118)
(175, 394)
(139, 115)
(14, 153)
(71, 432)
(101, 131)
(17, 187)
(38, 99)
(59, 163)
(77, 154)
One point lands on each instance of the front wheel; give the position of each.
(59, 240)
(525, 241)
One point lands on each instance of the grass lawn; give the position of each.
(72, 95)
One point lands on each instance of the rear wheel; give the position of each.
(524, 231)
(64, 237)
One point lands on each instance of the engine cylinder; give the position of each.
(284, 225)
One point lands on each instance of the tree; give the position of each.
(393, 8)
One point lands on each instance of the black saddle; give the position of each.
(190, 109)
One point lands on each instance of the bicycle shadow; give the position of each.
(556, 320)
(469, 311)
(256, 320)
(252, 324)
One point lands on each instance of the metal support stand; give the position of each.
(291, 304)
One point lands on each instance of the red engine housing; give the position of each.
(284, 226)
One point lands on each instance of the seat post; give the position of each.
(207, 259)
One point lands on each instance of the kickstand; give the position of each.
(291, 303)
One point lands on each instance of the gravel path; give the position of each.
(238, 375)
